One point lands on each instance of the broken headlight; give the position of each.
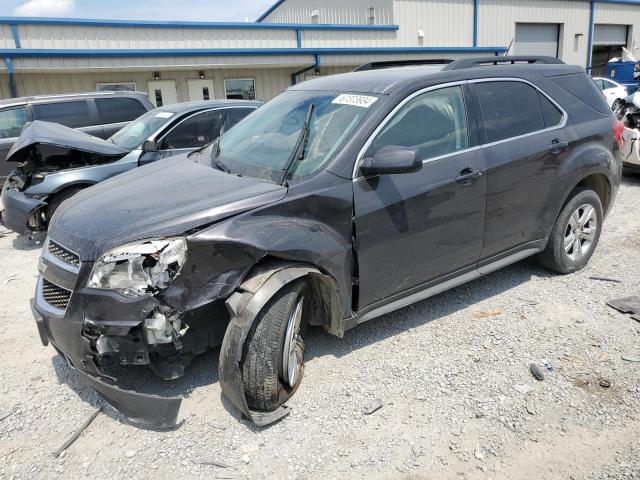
(138, 268)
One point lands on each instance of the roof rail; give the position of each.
(501, 60)
(401, 63)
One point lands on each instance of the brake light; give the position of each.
(618, 129)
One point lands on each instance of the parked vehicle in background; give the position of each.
(613, 92)
(56, 162)
(342, 199)
(100, 114)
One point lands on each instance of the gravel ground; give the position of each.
(451, 373)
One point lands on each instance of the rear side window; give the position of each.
(70, 114)
(196, 131)
(509, 109)
(581, 87)
(11, 122)
(551, 114)
(117, 110)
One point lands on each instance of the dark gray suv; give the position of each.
(100, 114)
(340, 200)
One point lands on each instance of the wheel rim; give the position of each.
(580, 232)
(292, 352)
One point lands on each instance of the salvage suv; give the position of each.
(342, 199)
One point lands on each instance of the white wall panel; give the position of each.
(444, 22)
(333, 11)
(622, 15)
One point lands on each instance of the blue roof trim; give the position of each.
(621, 2)
(92, 22)
(122, 52)
(270, 10)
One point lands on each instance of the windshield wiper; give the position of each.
(300, 150)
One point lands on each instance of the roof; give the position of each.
(61, 96)
(188, 106)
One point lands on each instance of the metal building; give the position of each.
(295, 39)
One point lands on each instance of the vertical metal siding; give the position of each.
(613, 14)
(333, 11)
(444, 22)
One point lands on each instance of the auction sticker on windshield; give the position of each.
(164, 114)
(364, 101)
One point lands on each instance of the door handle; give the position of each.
(467, 175)
(558, 145)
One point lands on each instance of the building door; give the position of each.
(608, 41)
(537, 39)
(163, 92)
(200, 90)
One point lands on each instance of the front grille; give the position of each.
(63, 254)
(54, 295)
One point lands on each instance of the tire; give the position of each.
(58, 198)
(265, 382)
(571, 228)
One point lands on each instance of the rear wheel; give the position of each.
(273, 357)
(575, 234)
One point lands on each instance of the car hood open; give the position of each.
(166, 198)
(48, 143)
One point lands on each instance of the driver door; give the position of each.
(414, 228)
(195, 131)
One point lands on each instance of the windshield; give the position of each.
(262, 145)
(134, 134)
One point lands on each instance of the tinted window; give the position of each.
(509, 109)
(116, 110)
(599, 84)
(234, 115)
(11, 122)
(552, 116)
(195, 131)
(71, 114)
(581, 87)
(435, 123)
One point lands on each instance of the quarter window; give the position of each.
(552, 116)
(11, 122)
(70, 114)
(435, 123)
(509, 109)
(117, 110)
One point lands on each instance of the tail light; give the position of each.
(618, 129)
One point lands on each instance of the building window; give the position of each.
(240, 89)
(116, 87)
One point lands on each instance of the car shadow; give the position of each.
(30, 241)
(203, 370)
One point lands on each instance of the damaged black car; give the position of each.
(342, 199)
(55, 162)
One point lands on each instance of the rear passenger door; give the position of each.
(114, 113)
(524, 143)
(77, 114)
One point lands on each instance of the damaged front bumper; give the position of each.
(19, 208)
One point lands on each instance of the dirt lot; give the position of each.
(452, 374)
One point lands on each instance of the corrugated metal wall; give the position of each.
(443, 22)
(333, 11)
(615, 14)
(497, 20)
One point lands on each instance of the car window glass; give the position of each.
(196, 131)
(117, 110)
(607, 84)
(234, 115)
(509, 109)
(435, 123)
(551, 114)
(11, 122)
(70, 114)
(599, 83)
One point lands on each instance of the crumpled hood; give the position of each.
(61, 142)
(166, 198)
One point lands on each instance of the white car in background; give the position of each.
(613, 92)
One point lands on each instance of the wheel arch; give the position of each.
(68, 185)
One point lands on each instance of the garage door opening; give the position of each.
(608, 41)
(537, 39)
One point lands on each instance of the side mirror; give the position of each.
(392, 159)
(149, 146)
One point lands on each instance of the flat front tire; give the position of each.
(575, 234)
(273, 356)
